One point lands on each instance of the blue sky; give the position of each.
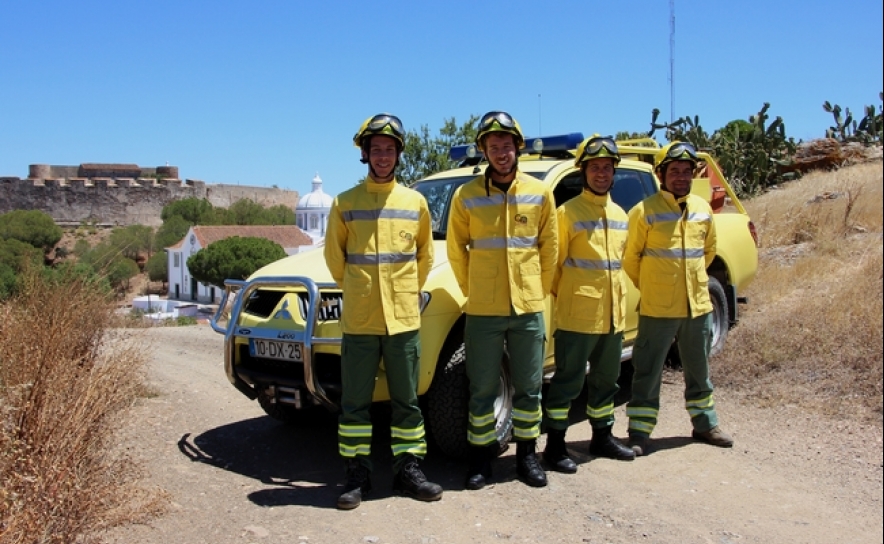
(271, 92)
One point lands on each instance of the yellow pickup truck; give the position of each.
(282, 339)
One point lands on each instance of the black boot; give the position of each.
(410, 480)
(358, 485)
(527, 467)
(479, 472)
(556, 453)
(603, 444)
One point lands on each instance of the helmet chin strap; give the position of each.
(366, 159)
(491, 169)
(501, 174)
(588, 187)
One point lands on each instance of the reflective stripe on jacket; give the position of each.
(667, 253)
(379, 250)
(502, 246)
(590, 285)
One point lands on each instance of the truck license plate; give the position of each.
(277, 349)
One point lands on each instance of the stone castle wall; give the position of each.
(113, 200)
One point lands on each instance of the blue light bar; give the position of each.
(545, 145)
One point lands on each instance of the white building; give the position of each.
(312, 212)
(182, 286)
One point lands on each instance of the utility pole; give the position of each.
(671, 61)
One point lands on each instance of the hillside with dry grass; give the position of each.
(811, 334)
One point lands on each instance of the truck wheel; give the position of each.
(448, 402)
(720, 319)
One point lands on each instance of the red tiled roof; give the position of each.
(288, 236)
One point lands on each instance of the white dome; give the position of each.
(317, 198)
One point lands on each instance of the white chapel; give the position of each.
(313, 210)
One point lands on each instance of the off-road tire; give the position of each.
(720, 319)
(447, 408)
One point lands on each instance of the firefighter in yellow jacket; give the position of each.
(378, 248)
(670, 244)
(502, 249)
(590, 289)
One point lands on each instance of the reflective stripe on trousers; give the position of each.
(485, 338)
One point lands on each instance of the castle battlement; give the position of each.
(120, 194)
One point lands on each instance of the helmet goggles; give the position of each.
(595, 146)
(502, 118)
(678, 151)
(381, 121)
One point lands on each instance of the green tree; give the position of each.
(280, 215)
(108, 261)
(247, 212)
(192, 209)
(219, 216)
(121, 271)
(30, 226)
(232, 258)
(171, 232)
(424, 154)
(133, 240)
(158, 267)
(15, 256)
(66, 271)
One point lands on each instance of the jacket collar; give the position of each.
(670, 199)
(601, 200)
(374, 187)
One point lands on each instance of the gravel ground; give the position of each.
(236, 476)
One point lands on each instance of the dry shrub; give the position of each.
(64, 389)
(821, 203)
(812, 333)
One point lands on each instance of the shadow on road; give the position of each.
(298, 464)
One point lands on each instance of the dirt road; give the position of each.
(236, 476)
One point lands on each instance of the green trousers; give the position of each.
(573, 351)
(360, 359)
(523, 337)
(694, 339)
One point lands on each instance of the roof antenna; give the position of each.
(671, 61)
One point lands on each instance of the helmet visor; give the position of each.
(678, 151)
(595, 146)
(379, 122)
(502, 118)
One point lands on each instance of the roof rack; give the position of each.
(559, 146)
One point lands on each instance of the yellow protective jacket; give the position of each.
(379, 250)
(590, 284)
(667, 253)
(502, 246)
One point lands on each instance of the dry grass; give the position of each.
(812, 335)
(63, 391)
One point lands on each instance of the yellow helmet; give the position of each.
(383, 123)
(597, 147)
(675, 151)
(499, 121)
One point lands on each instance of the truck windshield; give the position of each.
(438, 194)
